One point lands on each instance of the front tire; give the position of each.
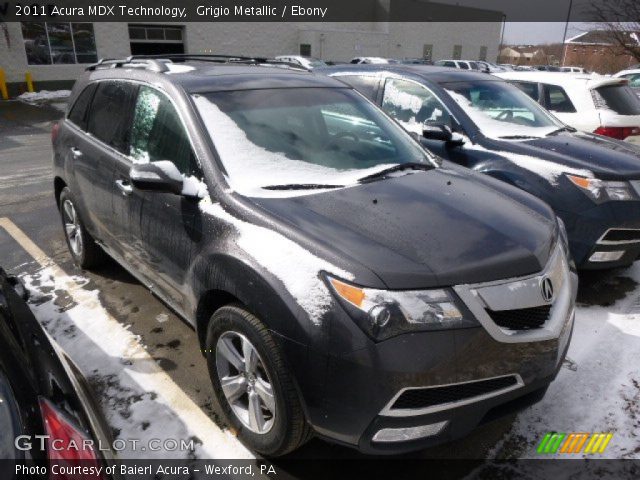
(86, 253)
(254, 389)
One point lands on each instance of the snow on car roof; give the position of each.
(567, 79)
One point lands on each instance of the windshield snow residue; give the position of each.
(504, 116)
(332, 145)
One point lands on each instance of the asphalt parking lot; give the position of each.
(147, 371)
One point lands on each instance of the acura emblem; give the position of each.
(546, 288)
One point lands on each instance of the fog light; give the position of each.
(607, 256)
(409, 433)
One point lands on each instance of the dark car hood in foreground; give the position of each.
(425, 229)
(607, 159)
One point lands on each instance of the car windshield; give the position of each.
(501, 110)
(302, 138)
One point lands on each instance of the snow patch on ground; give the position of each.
(44, 95)
(598, 389)
(120, 371)
(297, 268)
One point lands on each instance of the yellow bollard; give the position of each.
(3, 86)
(29, 80)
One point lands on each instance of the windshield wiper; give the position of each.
(518, 137)
(562, 129)
(301, 186)
(396, 168)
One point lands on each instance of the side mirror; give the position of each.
(442, 132)
(161, 176)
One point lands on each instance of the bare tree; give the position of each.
(613, 16)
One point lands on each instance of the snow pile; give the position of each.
(600, 392)
(44, 95)
(139, 400)
(251, 167)
(297, 268)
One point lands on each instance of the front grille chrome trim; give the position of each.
(387, 411)
(518, 293)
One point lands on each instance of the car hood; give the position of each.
(425, 229)
(606, 158)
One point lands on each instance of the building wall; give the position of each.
(112, 40)
(329, 41)
(597, 58)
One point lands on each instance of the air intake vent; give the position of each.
(417, 398)
(521, 319)
(622, 236)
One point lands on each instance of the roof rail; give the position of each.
(151, 64)
(157, 63)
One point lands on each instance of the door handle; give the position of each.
(124, 186)
(76, 152)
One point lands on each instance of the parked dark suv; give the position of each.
(488, 125)
(341, 282)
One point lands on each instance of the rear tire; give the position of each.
(232, 334)
(86, 253)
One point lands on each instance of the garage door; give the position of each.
(155, 39)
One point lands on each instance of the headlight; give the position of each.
(601, 191)
(383, 313)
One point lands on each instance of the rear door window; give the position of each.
(529, 88)
(365, 84)
(463, 65)
(619, 98)
(158, 133)
(557, 100)
(111, 113)
(80, 109)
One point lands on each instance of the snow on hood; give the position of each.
(546, 169)
(297, 268)
(496, 129)
(251, 167)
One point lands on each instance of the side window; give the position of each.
(158, 134)
(463, 65)
(529, 88)
(110, 113)
(449, 64)
(366, 85)
(79, 111)
(557, 99)
(413, 105)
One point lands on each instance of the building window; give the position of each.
(457, 52)
(305, 49)
(155, 39)
(59, 43)
(483, 54)
(427, 51)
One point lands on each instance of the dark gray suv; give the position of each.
(342, 281)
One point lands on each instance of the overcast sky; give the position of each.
(541, 32)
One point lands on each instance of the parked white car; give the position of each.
(633, 76)
(307, 62)
(592, 103)
(462, 64)
(573, 70)
(372, 60)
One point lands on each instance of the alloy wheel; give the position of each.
(72, 227)
(245, 382)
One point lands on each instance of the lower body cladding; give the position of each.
(422, 389)
(606, 236)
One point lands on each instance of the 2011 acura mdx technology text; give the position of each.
(342, 282)
(484, 123)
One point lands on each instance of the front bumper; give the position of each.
(588, 232)
(356, 398)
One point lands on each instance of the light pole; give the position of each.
(564, 36)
